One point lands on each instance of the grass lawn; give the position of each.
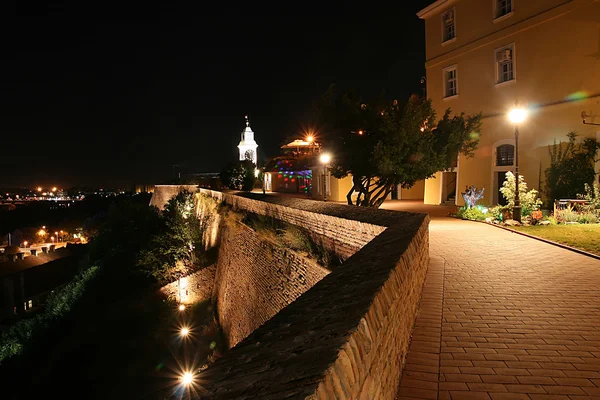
(584, 236)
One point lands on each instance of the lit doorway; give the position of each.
(449, 188)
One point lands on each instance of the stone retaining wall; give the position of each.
(255, 279)
(343, 236)
(347, 336)
(193, 288)
(163, 193)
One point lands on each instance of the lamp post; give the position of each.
(516, 116)
(325, 158)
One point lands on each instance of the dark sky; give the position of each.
(112, 96)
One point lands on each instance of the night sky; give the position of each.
(98, 95)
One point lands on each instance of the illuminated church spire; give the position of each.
(247, 144)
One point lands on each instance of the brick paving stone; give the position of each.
(515, 318)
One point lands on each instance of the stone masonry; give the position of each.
(256, 278)
(347, 336)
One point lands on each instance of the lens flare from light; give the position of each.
(187, 378)
(517, 115)
(181, 307)
(185, 331)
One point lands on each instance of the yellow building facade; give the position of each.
(486, 55)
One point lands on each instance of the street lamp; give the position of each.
(325, 158)
(516, 116)
(56, 233)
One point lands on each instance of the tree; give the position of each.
(171, 253)
(386, 143)
(125, 231)
(571, 167)
(239, 175)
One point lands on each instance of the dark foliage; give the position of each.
(571, 168)
(386, 143)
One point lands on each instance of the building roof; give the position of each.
(247, 135)
(8, 267)
(298, 143)
(431, 9)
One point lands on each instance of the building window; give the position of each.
(448, 27)
(450, 82)
(503, 7)
(505, 155)
(505, 66)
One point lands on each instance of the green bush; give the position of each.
(496, 212)
(571, 167)
(474, 214)
(588, 218)
(567, 215)
(592, 195)
(529, 199)
(59, 304)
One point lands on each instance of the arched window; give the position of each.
(505, 155)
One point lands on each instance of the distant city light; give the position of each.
(360, 132)
(39, 188)
(54, 189)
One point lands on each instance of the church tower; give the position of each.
(247, 145)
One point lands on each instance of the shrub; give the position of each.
(592, 195)
(58, 306)
(571, 167)
(529, 200)
(588, 218)
(473, 214)
(496, 212)
(567, 215)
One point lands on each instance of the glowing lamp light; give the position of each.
(187, 378)
(25, 243)
(325, 158)
(181, 307)
(360, 132)
(54, 189)
(39, 188)
(310, 138)
(517, 115)
(256, 172)
(185, 331)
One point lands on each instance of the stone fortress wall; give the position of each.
(256, 279)
(341, 335)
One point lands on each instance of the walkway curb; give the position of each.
(564, 246)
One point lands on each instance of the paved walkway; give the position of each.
(502, 317)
